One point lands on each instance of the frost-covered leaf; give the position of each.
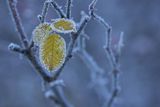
(40, 32)
(52, 51)
(62, 25)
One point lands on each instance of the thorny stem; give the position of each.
(18, 23)
(58, 9)
(68, 8)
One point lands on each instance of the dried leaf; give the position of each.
(62, 25)
(52, 52)
(40, 32)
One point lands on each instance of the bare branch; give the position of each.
(68, 8)
(98, 78)
(18, 23)
(54, 91)
(108, 48)
(58, 9)
(59, 93)
(28, 52)
(16, 48)
(115, 69)
(44, 11)
(111, 56)
(92, 7)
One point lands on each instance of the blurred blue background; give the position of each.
(20, 86)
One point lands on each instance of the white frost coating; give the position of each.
(57, 82)
(12, 46)
(61, 30)
(40, 54)
(49, 93)
(39, 33)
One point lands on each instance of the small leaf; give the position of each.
(62, 25)
(52, 52)
(40, 32)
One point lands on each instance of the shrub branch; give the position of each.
(58, 9)
(68, 8)
(54, 89)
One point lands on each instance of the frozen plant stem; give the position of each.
(113, 62)
(68, 8)
(98, 78)
(28, 52)
(113, 58)
(26, 49)
(44, 11)
(17, 20)
(115, 70)
(58, 9)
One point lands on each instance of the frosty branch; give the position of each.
(28, 52)
(54, 86)
(114, 61)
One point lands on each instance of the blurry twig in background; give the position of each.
(98, 76)
(113, 57)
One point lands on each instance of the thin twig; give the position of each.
(44, 11)
(115, 69)
(68, 8)
(18, 23)
(115, 72)
(111, 56)
(58, 9)
(59, 93)
(98, 77)
(16, 48)
(58, 96)
(72, 42)
(108, 48)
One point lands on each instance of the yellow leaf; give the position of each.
(52, 52)
(40, 32)
(62, 25)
